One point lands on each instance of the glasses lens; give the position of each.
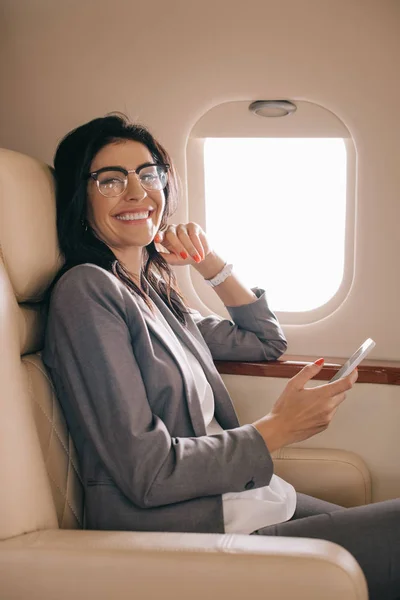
(111, 183)
(154, 177)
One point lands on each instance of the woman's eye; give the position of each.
(111, 181)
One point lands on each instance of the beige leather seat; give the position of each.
(44, 553)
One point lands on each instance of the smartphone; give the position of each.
(355, 359)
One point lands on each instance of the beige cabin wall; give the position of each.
(167, 63)
(366, 423)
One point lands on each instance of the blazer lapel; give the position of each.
(175, 349)
(224, 410)
(193, 345)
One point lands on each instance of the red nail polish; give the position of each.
(184, 255)
(197, 258)
(319, 362)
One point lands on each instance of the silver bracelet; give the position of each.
(221, 276)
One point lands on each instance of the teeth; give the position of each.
(133, 216)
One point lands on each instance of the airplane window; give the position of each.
(284, 200)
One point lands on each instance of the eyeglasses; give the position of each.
(113, 181)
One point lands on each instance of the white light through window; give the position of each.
(276, 208)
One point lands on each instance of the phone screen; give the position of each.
(355, 359)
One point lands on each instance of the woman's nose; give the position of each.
(134, 190)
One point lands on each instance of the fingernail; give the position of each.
(197, 258)
(319, 362)
(156, 238)
(184, 255)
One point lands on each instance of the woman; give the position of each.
(159, 443)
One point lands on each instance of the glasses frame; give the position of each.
(94, 175)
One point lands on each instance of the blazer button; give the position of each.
(249, 485)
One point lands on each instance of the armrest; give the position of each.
(173, 566)
(334, 475)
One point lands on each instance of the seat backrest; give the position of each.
(40, 486)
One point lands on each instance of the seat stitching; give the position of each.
(53, 427)
(66, 499)
(66, 493)
(32, 397)
(62, 492)
(25, 360)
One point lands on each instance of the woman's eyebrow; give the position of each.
(145, 164)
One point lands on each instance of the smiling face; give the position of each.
(128, 222)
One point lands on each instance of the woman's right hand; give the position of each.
(300, 413)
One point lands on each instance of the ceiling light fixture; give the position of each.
(272, 108)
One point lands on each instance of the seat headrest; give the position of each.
(28, 236)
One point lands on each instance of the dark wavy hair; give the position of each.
(78, 243)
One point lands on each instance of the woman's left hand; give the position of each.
(186, 244)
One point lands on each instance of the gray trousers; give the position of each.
(370, 533)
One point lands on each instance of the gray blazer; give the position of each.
(133, 410)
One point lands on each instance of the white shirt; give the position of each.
(244, 512)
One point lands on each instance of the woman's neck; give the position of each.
(132, 259)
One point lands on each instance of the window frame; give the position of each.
(217, 127)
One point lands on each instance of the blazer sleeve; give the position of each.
(253, 334)
(94, 358)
